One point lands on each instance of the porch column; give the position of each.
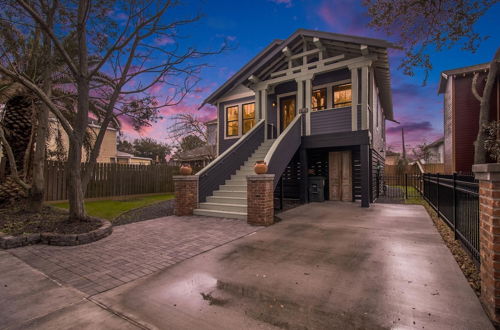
(365, 175)
(308, 100)
(354, 93)
(489, 236)
(257, 104)
(360, 85)
(263, 106)
(364, 98)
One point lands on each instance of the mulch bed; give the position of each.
(468, 267)
(15, 221)
(153, 211)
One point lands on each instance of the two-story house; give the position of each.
(314, 104)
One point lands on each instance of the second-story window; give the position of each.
(318, 101)
(342, 96)
(248, 116)
(232, 119)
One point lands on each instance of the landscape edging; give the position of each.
(9, 242)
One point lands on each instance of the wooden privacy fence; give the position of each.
(112, 180)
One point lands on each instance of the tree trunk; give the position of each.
(484, 111)
(74, 183)
(37, 191)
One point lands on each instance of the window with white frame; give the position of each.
(342, 96)
(232, 121)
(240, 118)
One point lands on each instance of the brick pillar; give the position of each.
(260, 199)
(489, 236)
(186, 194)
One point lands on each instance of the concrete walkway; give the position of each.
(132, 251)
(30, 300)
(326, 266)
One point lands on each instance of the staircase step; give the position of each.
(238, 181)
(220, 214)
(223, 207)
(234, 187)
(227, 200)
(229, 193)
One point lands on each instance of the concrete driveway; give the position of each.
(326, 266)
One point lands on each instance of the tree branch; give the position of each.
(45, 99)
(52, 36)
(12, 161)
(474, 87)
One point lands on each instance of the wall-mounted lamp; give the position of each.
(274, 104)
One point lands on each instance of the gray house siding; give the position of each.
(272, 116)
(331, 121)
(224, 144)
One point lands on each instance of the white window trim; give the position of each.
(240, 119)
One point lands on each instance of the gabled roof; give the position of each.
(436, 143)
(274, 50)
(464, 70)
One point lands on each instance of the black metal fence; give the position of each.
(398, 188)
(456, 200)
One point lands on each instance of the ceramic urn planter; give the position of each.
(186, 169)
(260, 167)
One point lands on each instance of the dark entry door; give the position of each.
(287, 111)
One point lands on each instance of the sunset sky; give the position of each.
(251, 25)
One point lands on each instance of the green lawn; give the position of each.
(110, 209)
(413, 195)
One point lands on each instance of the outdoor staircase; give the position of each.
(230, 201)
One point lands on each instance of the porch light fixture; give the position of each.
(274, 104)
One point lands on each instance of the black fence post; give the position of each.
(406, 185)
(455, 205)
(437, 193)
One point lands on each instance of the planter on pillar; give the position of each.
(489, 236)
(186, 194)
(260, 199)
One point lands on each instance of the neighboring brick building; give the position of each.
(461, 115)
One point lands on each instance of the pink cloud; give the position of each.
(164, 40)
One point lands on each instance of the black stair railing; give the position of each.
(220, 169)
(284, 148)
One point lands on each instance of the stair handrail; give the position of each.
(230, 149)
(221, 168)
(285, 140)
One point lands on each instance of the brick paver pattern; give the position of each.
(132, 251)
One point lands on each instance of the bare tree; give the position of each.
(480, 148)
(423, 25)
(117, 64)
(185, 125)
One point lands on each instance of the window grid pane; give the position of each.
(248, 116)
(232, 121)
(342, 96)
(318, 101)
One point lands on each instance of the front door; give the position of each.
(340, 175)
(287, 111)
